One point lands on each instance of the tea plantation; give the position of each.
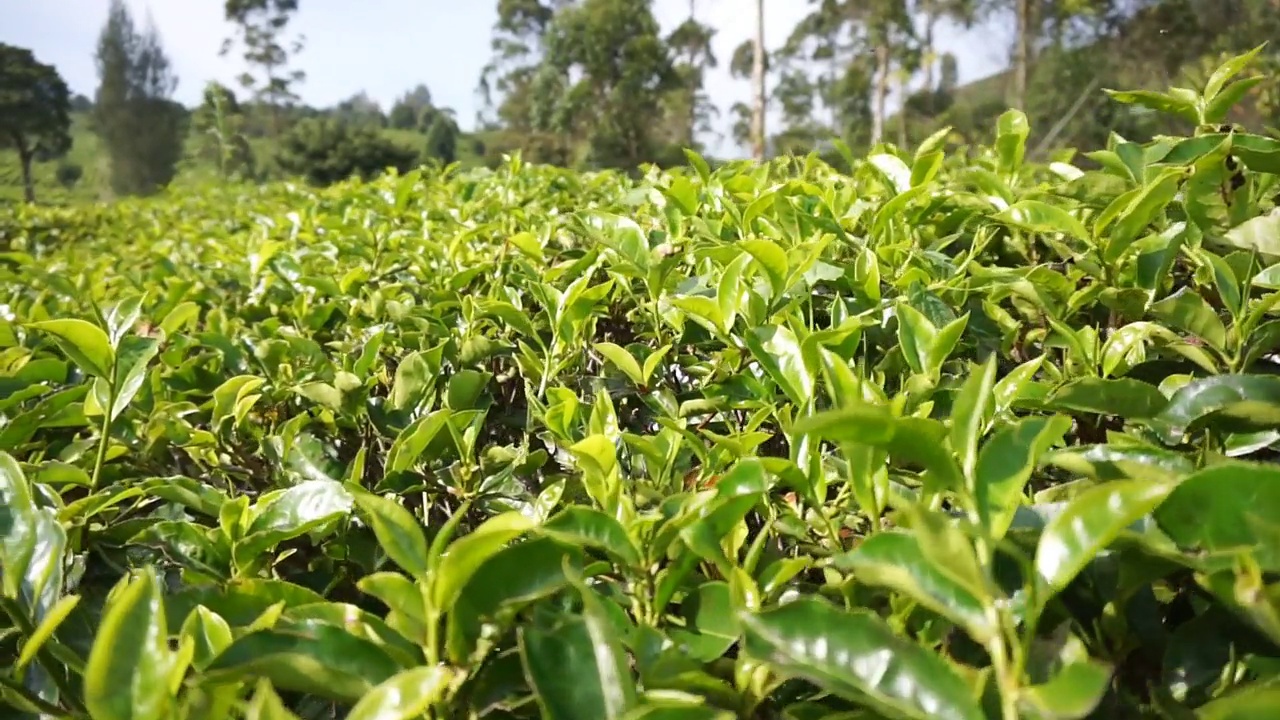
(951, 436)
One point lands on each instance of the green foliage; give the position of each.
(939, 437)
(140, 127)
(34, 111)
(326, 151)
(218, 127)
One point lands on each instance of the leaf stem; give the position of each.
(104, 440)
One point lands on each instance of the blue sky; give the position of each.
(385, 47)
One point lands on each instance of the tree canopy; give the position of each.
(35, 109)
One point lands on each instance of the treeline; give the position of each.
(596, 83)
(600, 84)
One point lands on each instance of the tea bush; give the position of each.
(945, 437)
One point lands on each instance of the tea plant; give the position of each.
(947, 437)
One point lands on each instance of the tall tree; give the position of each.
(758, 107)
(691, 42)
(963, 12)
(360, 109)
(406, 112)
(140, 125)
(506, 83)
(603, 77)
(261, 26)
(34, 111)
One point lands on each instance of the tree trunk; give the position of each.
(881, 93)
(25, 158)
(904, 90)
(757, 82)
(930, 20)
(691, 140)
(1021, 54)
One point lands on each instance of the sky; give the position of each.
(385, 47)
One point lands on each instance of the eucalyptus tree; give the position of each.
(691, 44)
(261, 26)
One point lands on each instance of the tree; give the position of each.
(141, 127)
(691, 43)
(219, 130)
(406, 113)
(34, 111)
(758, 85)
(261, 26)
(604, 74)
(442, 137)
(328, 150)
(360, 109)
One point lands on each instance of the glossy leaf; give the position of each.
(1090, 523)
(404, 696)
(895, 560)
(398, 532)
(84, 343)
(126, 676)
(856, 655)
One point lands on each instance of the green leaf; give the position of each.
(590, 528)
(778, 352)
(414, 439)
(1170, 104)
(577, 668)
(772, 260)
(1042, 217)
(48, 625)
(398, 532)
(856, 655)
(1143, 209)
(622, 360)
(1228, 70)
(1211, 511)
(1091, 522)
(1261, 233)
(127, 673)
(209, 634)
(869, 424)
(1006, 463)
(267, 705)
(321, 393)
(415, 376)
(290, 513)
(1255, 701)
(1222, 403)
(1012, 130)
(17, 524)
(405, 696)
(133, 354)
(317, 659)
(1126, 398)
(466, 554)
(1105, 463)
(710, 623)
(1186, 310)
(895, 560)
(85, 344)
(674, 710)
(1072, 694)
(515, 575)
(970, 412)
